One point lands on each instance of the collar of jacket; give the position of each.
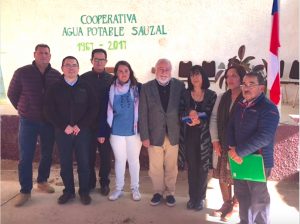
(252, 103)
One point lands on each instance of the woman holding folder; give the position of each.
(224, 107)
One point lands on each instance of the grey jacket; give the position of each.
(153, 120)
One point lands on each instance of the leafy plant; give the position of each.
(238, 60)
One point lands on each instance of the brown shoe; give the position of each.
(233, 214)
(21, 199)
(45, 187)
(225, 208)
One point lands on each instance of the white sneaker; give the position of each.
(136, 196)
(115, 195)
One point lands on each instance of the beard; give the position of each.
(163, 82)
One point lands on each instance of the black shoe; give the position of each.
(199, 205)
(85, 199)
(65, 197)
(104, 190)
(156, 199)
(170, 200)
(190, 204)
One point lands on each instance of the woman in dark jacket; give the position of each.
(198, 98)
(224, 107)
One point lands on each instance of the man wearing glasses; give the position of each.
(100, 81)
(70, 107)
(252, 130)
(26, 92)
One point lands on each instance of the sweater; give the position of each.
(99, 83)
(70, 105)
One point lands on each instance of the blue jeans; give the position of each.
(28, 134)
(80, 144)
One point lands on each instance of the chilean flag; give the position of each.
(273, 65)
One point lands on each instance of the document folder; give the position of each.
(251, 169)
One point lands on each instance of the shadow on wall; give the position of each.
(288, 193)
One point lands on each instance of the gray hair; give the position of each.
(163, 60)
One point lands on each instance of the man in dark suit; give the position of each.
(159, 129)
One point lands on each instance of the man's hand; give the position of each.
(69, 130)
(234, 156)
(101, 140)
(76, 130)
(146, 143)
(217, 148)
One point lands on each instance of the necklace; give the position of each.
(197, 96)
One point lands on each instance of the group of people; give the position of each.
(97, 111)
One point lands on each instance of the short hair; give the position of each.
(69, 57)
(131, 73)
(261, 80)
(41, 45)
(98, 50)
(163, 60)
(205, 80)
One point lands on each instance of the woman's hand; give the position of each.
(193, 115)
(217, 148)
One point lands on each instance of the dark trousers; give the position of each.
(28, 134)
(197, 173)
(104, 151)
(254, 201)
(67, 144)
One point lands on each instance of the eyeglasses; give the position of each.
(251, 86)
(71, 66)
(99, 60)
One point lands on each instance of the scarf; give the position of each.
(118, 89)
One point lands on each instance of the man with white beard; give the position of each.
(159, 126)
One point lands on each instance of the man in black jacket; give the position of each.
(26, 93)
(70, 107)
(100, 81)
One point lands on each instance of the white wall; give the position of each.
(196, 30)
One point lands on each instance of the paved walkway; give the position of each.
(43, 208)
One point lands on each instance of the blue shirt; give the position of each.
(123, 109)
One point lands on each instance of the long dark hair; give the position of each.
(131, 76)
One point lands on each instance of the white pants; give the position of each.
(126, 148)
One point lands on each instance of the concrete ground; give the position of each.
(43, 208)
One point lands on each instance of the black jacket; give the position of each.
(99, 83)
(70, 105)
